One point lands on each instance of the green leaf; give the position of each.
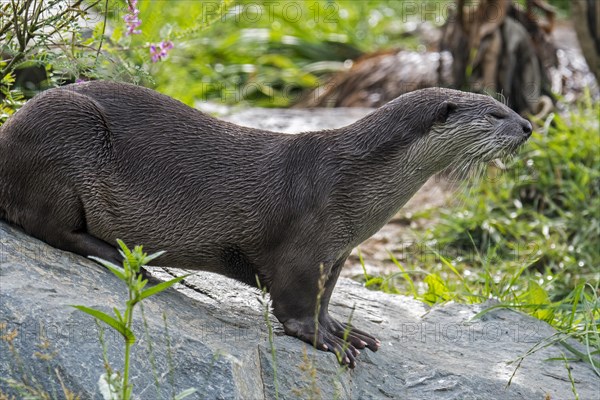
(436, 289)
(375, 281)
(161, 286)
(538, 297)
(362, 263)
(118, 314)
(116, 270)
(141, 282)
(151, 257)
(125, 249)
(110, 321)
(185, 394)
(405, 275)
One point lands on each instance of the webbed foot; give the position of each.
(341, 339)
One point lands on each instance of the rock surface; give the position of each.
(297, 120)
(218, 340)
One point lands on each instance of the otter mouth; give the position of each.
(475, 166)
(499, 152)
(500, 157)
(505, 148)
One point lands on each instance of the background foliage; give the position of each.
(265, 55)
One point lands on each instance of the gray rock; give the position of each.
(298, 120)
(218, 340)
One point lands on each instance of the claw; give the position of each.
(334, 337)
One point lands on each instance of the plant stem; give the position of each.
(125, 395)
(129, 318)
(103, 33)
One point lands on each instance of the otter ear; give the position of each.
(444, 110)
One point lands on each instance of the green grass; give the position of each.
(528, 237)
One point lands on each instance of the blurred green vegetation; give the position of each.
(260, 52)
(257, 52)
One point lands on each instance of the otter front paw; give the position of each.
(356, 337)
(330, 335)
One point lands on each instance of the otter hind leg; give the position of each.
(84, 244)
(297, 310)
(56, 216)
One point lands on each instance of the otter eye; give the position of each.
(497, 115)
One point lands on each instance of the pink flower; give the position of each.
(132, 20)
(161, 50)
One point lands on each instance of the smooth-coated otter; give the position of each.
(83, 165)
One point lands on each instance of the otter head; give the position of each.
(468, 128)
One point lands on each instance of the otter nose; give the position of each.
(527, 127)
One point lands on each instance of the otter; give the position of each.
(85, 164)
